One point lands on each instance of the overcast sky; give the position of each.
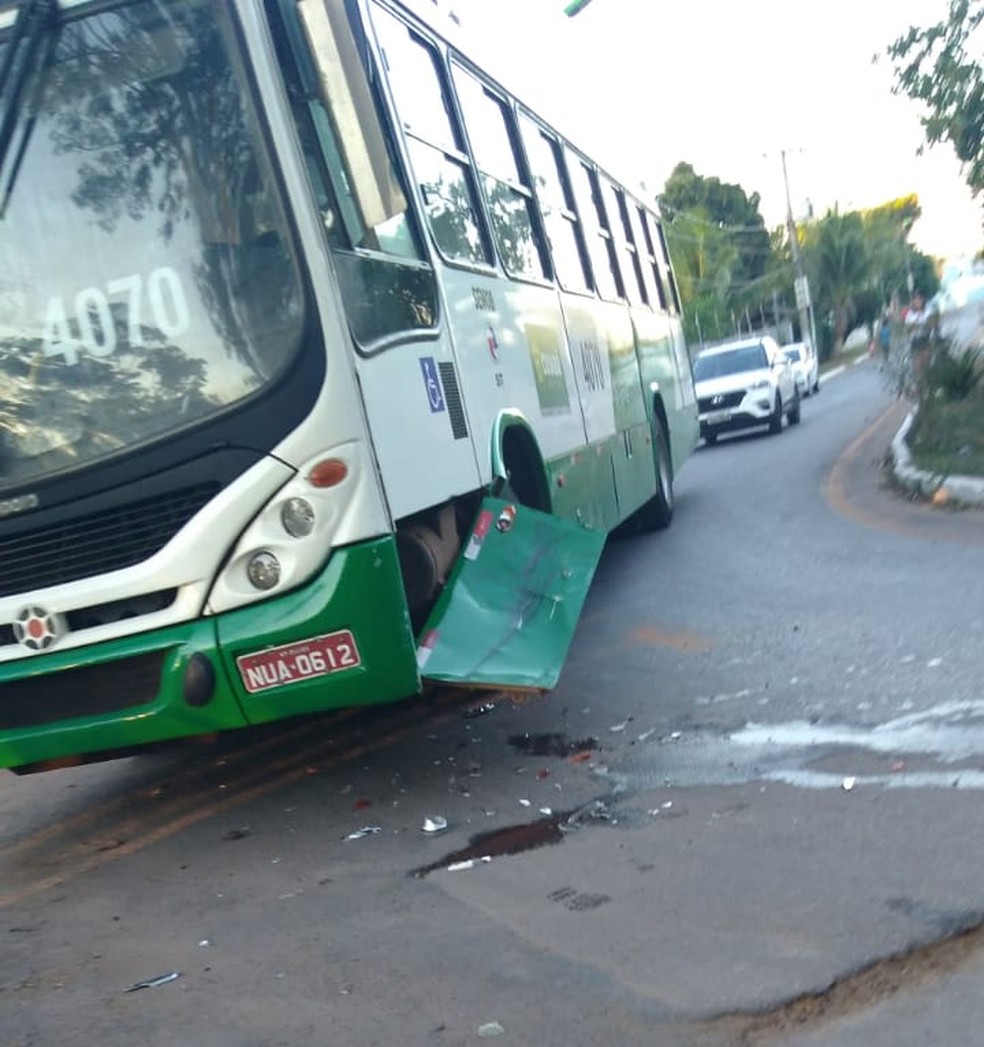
(727, 85)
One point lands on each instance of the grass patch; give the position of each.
(845, 356)
(948, 436)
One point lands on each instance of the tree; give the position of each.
(887, 229)
(722, 252)
(727, 206)
(859, 262)
(703, 259)
(939, 67)
(837, 256)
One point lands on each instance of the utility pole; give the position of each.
(801, 285)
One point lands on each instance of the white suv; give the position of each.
(805, 367)
(744, 383)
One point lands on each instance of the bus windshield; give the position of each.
(147, 279)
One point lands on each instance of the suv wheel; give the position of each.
(794, 411)
(775, 422)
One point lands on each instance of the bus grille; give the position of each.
(100, 542)
(89, 690)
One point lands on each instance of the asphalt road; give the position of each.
(747, 815)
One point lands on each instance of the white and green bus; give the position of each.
(325, 368)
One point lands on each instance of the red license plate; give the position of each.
(294, 662)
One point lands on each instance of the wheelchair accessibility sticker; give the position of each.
(432, 383)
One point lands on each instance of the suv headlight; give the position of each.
(762, 383)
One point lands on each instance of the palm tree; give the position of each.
(704, 258)
(836, 251)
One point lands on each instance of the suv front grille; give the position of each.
(720, 401)
(99, 542)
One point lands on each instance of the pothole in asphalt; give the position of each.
(551, 744)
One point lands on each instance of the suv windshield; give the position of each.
(733, 361)
(146, 277)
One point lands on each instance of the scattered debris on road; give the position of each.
(152, 983)
(468, 863)
(552, 744)
(434, 824)
(366, 830)
(479, 710)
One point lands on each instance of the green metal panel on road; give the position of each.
(511, 606)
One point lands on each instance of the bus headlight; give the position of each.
(263, 570)
(297, 516)
(331, 500)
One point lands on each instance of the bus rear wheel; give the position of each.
(657, 513)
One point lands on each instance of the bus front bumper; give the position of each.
(342, 640)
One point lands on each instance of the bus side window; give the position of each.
(608, 278)
(437, 154)
(510, 201)
(645, 257)
(635, 292)
(302, 108)
(670, 278)
(354, 177)
(556, 202)
(648, 227)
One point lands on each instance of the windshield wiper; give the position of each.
(26, 48)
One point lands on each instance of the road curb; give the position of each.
(943, 489)
(964, 490)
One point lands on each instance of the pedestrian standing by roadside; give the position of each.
(916, 313)
(885, 339)
(918, 329)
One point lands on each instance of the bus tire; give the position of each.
(657, 513)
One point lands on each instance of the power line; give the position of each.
(696, 219)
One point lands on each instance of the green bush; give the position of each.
(948, 435)
(953, 377)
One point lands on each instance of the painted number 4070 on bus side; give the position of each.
(295, 662)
